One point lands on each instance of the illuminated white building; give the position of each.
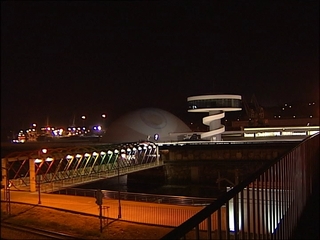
(216, 106)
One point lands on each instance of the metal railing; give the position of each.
(266, 205)
(48, 185)
(139, 197)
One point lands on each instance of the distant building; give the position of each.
(146, 124)
(216, 106)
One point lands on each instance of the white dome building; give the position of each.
(145, 124)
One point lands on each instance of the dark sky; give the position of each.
(63, 59)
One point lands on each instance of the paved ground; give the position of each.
(142, 212)
(308, 226)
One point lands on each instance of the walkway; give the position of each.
(140, 212)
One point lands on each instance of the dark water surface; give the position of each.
(153, 182)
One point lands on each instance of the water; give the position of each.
(153, 181)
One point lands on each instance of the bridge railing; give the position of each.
(63, 182)
(266, 205)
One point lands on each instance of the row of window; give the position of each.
(215, 103)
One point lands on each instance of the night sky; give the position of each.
(61, 60)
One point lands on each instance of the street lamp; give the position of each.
(104, 121)
(83, 119)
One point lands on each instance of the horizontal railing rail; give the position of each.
(266, 205)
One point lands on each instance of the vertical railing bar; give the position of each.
(302, 184)
(227, 221)
(282, 174)
(219, 223)
(209, 228)
(263, 180)
(267, 181)
(248, 213)
(258, 207)
(287, 204)
(291, 207)
(197, 232)
(294, 188)
(254, 208)
(235, 216)
(285, 199)
(273, 202)
(286, 196)
(270, 203)
(280, 192)
(277, 198)
(242, 214)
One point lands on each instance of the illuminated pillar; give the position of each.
(158, 156)
(32, 172)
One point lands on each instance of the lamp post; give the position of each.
(7, 190)
(40, 160)
(118, 170)
(119, 214)
(39, 190)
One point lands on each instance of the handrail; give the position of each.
(194, 222)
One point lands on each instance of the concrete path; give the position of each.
(141, 212)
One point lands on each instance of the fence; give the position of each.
(266, 205)
(140, 197)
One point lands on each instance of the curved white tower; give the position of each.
(216, 106)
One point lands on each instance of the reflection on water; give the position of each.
(154, 186)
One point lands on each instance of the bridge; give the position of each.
(51, 169)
